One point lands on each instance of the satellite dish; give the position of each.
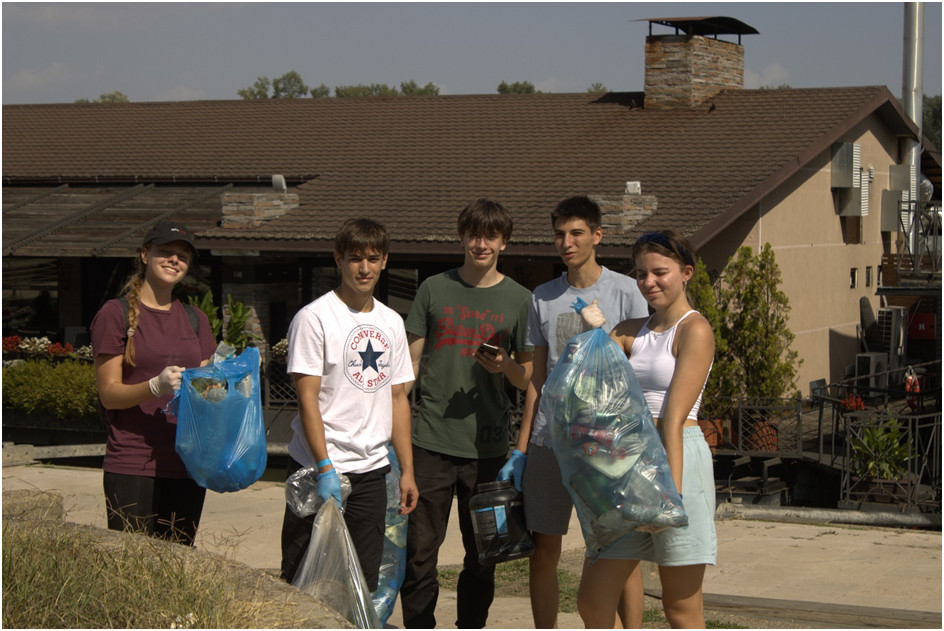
(278, 183)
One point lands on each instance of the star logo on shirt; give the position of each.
(369, 357)
(368, 347)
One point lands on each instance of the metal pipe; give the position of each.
(912, 97)
(799, 515)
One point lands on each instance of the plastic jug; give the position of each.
(498, 521)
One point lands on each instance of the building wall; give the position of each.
(815, 249)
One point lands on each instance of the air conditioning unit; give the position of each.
(845, 166)
(867, 369)
(893, 325)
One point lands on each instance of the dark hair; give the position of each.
(358, 236)
(485, 218)
(579, 207)
(666, 243)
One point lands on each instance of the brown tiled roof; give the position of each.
(414, 162)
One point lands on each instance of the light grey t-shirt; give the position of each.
(552, 320)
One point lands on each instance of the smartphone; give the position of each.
(488, 349)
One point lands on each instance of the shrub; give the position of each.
(749, 314)
(64, 390)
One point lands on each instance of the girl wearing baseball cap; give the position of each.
(142, 342)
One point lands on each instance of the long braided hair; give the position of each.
(132, 293)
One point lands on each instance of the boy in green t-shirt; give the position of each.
(460, 436)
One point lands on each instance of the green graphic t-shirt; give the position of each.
(464, 410)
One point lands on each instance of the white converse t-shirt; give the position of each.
(358, 356)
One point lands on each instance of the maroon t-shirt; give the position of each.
(141, 438)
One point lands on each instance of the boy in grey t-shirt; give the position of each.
(552, 321)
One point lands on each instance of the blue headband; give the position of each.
(667, 242)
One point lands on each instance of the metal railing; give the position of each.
(755, 426)
(892, 460)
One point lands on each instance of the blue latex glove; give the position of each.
(329, 485)
(514, 469)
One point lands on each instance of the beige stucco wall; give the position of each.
(801, 222)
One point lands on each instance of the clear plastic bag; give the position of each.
(331, 573)
(220, 430)
(611, 457)
(393, 560)
(301, 491)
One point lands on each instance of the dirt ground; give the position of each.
(572, 560)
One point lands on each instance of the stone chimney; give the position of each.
(687, 68)
(251, 210)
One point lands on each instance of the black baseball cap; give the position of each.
(169, 231)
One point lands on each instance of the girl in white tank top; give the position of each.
(671, 353)
(654, 364)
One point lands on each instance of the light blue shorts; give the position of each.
(695, 543)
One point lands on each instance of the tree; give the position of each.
(409, 88)
(321, 92)
(258, 90)
(374, 89)
(755, 327)
(931, 119)
(596, 88)
(748, 314)
(112, 97)
(703, 294)
(518, 87)
(289, 86)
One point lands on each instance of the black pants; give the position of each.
(166, 508)
(364, 513)
(439, 477)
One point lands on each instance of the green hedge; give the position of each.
(64, 390)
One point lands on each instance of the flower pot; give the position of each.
(762, 437)
(712, 429)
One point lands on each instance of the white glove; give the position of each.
(167, 382)
(592, 315)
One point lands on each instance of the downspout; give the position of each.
(912, 100)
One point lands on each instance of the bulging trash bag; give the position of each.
(220, 430)
(331, 572)
(393, 559)
(611, 457)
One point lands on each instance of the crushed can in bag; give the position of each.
(498, 520)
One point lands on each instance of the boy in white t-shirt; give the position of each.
(349, 357)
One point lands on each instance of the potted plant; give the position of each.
(879, 459)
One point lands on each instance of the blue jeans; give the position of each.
(439, 477)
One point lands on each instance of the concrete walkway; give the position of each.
(831, 567)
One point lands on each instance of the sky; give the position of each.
(60, 52)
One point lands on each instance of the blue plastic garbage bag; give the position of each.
(220, 430)
(611, 456)
(393, 559)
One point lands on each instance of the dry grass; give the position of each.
(62, 575)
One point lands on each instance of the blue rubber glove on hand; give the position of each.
(514, 469)
(329, 485)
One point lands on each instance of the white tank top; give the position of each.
(654, 364)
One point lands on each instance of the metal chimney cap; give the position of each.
(711, 25)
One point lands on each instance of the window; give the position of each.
(868, 276)
(853, 277)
